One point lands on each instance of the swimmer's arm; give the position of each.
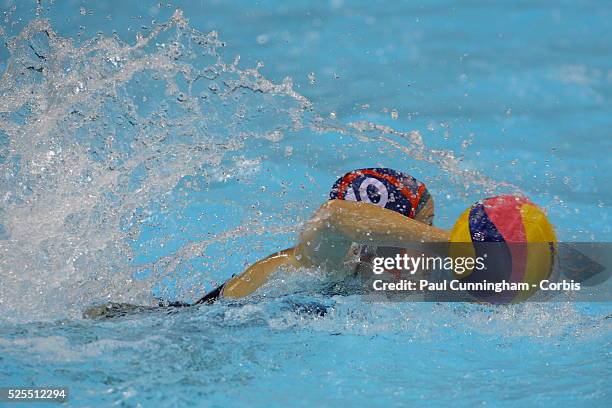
(329, 234)
(257, 274)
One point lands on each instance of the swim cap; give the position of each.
(383, 187)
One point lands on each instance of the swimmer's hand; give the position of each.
(112, 309)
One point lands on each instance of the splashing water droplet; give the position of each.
(312, 78)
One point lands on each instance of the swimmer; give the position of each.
(371, 212)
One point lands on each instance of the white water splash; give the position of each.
(93, 136)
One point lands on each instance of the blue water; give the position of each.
(139, 158)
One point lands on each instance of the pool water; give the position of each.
(153, 150)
